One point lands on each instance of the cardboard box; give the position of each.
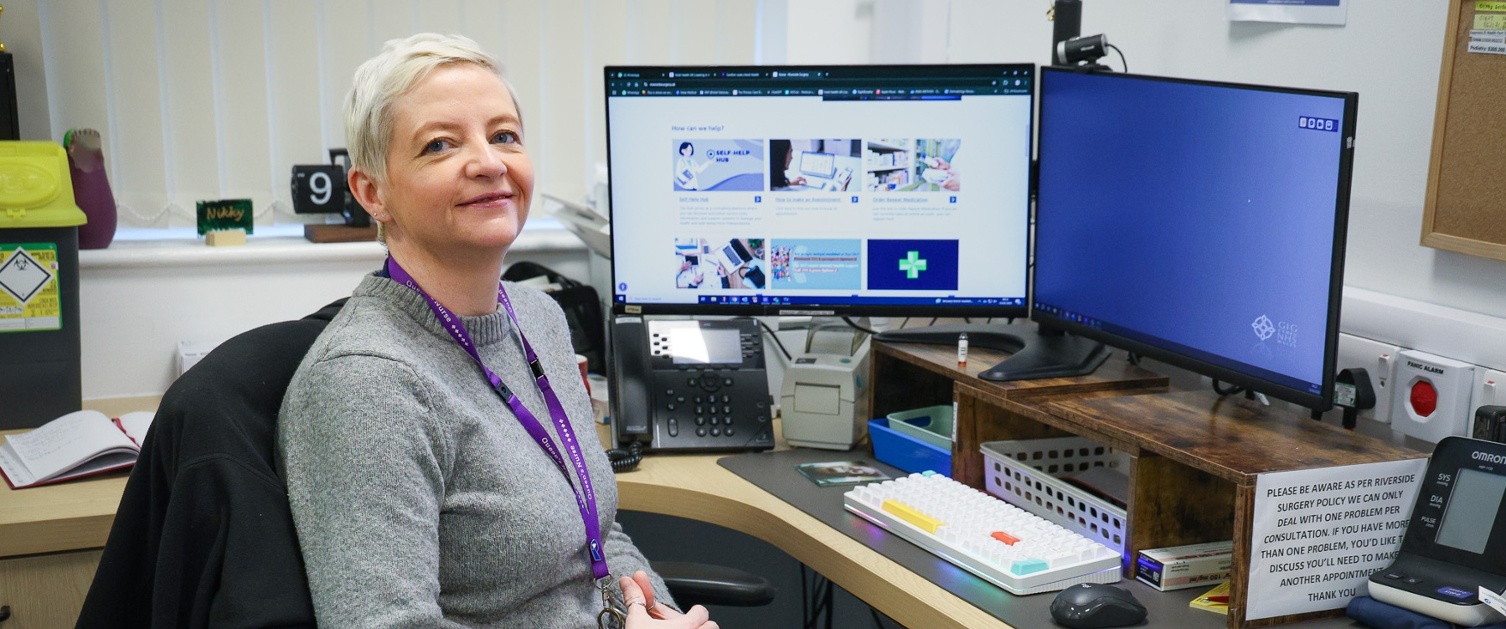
(1178, 567)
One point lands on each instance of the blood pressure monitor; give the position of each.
(1456, 540)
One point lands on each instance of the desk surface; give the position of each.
(77, 516)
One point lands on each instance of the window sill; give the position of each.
(275, 244)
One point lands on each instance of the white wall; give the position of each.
(137, 300)
(1389, 52)
(201, 99)
(206, 99)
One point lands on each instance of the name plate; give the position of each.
(224, 214)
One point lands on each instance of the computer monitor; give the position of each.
(1198, 223)
(820, 190)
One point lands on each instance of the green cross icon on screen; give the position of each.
(912, 265)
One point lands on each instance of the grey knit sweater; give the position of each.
(418, 498)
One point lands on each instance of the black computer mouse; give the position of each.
(1095, 606)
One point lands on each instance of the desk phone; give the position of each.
(1456, 540)
(690, 385)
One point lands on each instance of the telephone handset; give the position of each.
(690, 385)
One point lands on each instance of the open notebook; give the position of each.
(74, 445)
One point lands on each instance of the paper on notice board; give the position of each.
(1488, 37)
(1331, 12)
(1489, 48)
(1487, 41)
(1489, 22)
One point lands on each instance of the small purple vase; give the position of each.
(91, 188)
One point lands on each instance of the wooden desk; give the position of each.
(50, 539)
(695, 487)
(1207, 450)
(50, 536)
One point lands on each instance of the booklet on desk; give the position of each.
(74, 445)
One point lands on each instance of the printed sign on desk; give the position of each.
(1319, 534)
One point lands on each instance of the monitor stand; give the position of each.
(1035, 352)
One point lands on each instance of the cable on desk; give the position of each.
(775, 337)
(626, 460)
(859, 328)
(1230, 390)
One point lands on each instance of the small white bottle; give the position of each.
(962, 350)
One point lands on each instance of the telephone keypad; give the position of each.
(699, 398)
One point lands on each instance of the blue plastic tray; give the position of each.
(906, 452)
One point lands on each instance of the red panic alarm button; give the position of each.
(1424, 398)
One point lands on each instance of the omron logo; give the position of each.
(1488, 457)
(1427, 368)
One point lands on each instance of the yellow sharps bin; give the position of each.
(39, 335)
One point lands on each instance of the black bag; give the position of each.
(582, 310)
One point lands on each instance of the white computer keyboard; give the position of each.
(984, 535)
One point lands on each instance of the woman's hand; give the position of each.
(644, 613)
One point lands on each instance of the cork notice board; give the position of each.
(1466, 198)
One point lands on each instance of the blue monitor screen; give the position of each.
(1199, 223)
(821, 189)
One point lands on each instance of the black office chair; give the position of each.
(204, 535)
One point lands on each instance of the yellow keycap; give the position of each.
(910, 514)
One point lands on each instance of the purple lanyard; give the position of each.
(587, 503)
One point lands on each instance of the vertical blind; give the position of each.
(218, 99)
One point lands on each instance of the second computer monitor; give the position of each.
(1199, 223)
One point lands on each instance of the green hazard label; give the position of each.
(30, 299)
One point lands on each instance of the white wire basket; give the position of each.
(1024, 473)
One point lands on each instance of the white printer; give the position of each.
(823, 400)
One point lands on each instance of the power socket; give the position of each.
(190, 352)
(1430, 396)
(1490, 390)
(1490, 387)
(1379, 360)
